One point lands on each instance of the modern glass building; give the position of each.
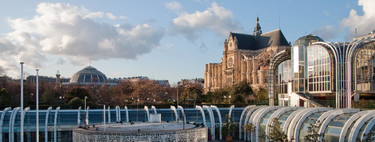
(334, 124)
(314, 73)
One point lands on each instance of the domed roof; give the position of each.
(88, 75)
(307, 40)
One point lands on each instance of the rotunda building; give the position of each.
(88, 75)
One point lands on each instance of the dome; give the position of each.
(307, 40)
(88, 75)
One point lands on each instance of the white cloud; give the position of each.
(173, 5)
(111, 16)
(327, 32)
(72, 33)
(215, 18)
(363, 23)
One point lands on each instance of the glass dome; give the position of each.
(307, 40)
(88, 75)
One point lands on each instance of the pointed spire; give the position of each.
(257, 28)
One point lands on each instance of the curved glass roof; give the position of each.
(68, 119)
(307, 40)
(88, 75)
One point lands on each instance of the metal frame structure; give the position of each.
(202, 112)
(154, 109)
(173, 108)
(182, 111)
(349, 122)
(331, 115)
(127, 113)
(241, 117)
(147, 113)
(247, 117)
(46, 124)
(2, 121)
(359, 124)
(277, 115)
(109, 114)
(220, 121)
(277, 59)
(79, 116)
(54, 125)
(341, 55)
(212, 120)
(11, 123)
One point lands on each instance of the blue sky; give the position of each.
(161, 39)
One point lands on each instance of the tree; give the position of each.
(5, 98)
(48, 98)
(249, 128)
(276, 134)
(191, 95)
(75, 102)
(240, 91)
(313, 132)
(77, 92)
(228, 126)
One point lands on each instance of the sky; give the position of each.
(161, 39)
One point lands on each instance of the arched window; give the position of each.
(364, 67)
(318, 69)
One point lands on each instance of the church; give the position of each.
(245, 58)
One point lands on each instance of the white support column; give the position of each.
(212, 120)
(109, 114)
(147, 113)
(154, 108)
(116, 110)
(11, 123)
(2, 120)
(127, 113)
(104, 122)
(37, 105)
(23, 115)
(220, 122)
(87, 115)
(21, 129)
(119, 114)
(46, 124)
(203, 115)
(183, 112)
(79, 116)
(175, 112)
(54, 125)
(230, 111)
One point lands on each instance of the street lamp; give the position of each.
(21, 132)
(85, 112)
(37, 105)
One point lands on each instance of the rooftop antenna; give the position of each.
(355, 32)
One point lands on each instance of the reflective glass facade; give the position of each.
(365, 68)
(319, 69)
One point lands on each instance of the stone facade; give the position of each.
(245, 58)
(186, 135)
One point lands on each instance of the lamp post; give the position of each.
(21, 131)
(85, 112)
(37, 105)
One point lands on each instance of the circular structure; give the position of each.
(141, 132)
(307, 40)
(88, 75)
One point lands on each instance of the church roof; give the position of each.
(251, 42)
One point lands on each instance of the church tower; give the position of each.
(257, 29)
